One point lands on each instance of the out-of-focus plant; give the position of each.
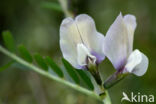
(45, 66)
(83, 48)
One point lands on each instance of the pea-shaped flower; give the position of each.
(118, 47)
(80, 43)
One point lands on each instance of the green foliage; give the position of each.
(86, 79)
(9, 41)
(40, 61)
(71, 71)
(52, 6)
(47, 74)
(54, 66)
(25, 53)
(6, 66)
(44, 63)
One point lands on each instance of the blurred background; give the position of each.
(36, 25)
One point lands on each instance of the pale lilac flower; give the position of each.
(118, 47)
(80, 42)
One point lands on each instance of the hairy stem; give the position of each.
(105, 98)
(46, 74)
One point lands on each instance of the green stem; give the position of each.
(114, 79)
(105, 96)
(107, 99)
(46, 74)
(64, 5)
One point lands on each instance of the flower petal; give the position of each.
(91, 38)
(130, 22)
(119, 39)
(137, 63)
(81, 30)
(83, 53)
(97, 47)
(69, 37)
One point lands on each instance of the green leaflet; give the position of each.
(86, 79)
(9, 41)
(25, 53)
(52, 6)
(71, 71)
(40, 61)
(6, 65)
(54, 66)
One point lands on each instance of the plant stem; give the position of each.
(64, 5)
(107, 99)
(113, 79)
(46, 74)
(104, 95)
